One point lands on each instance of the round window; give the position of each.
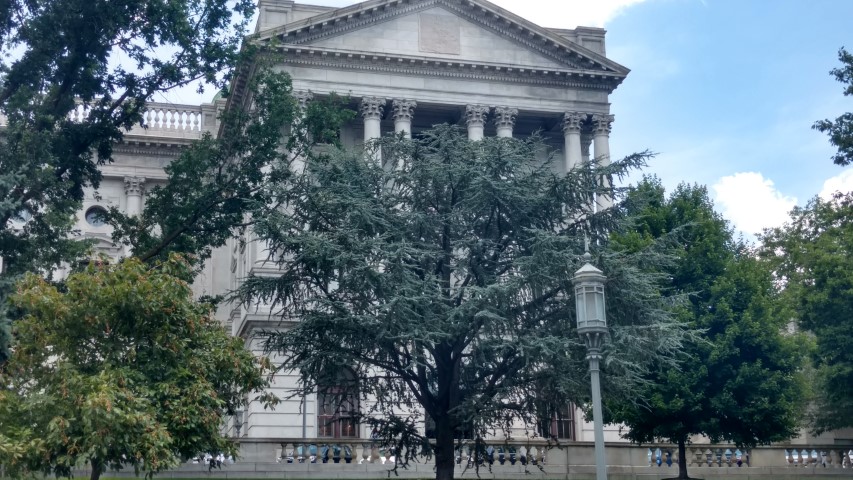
(96, 216)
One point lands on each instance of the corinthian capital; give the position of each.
(572, 122)
(475, 115)
(134, 185)
(302, 98)
(505, 116)
(372, 107)
(403, 109)
(601, 124)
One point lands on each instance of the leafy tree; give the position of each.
(215, 182)
(122, 368)
(739, 381)
(442, 281)
(812, 258)
(840, 130)
(74, 74)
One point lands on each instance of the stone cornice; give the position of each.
(441, 67)
(500, 21)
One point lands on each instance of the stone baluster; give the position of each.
(403, 111)
(134, 188)
(372, 109)
(475, 117)
(601, 125)
(572, 151)
(505, 121)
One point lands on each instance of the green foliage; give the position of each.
(443, 280)
(811, 255)
(121, 368)
(840, 130)
(739, 382)
(101, 60)
(215, 182)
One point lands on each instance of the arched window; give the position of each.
(337, 407)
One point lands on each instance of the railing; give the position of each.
(827, 457)
(158, 119)
(699, 456)
(365, 453)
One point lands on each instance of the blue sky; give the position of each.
(725, 91)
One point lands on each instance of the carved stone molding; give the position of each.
(505, 117)
(134, 185)
(403, 109)
(404, 64)
(573, 122)
(601, 124)
(302, 98)
(475, 115)
(372, 108)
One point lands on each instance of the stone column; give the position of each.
(475, 117)
(505, 120)
(601, 146)
(134, 188)
(572, 152)
(372, 109)
(403, 111)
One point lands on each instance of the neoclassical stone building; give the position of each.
(407, 65)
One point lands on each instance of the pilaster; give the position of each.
(134, 188)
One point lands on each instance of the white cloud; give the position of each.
(843, 182)
(751, 202)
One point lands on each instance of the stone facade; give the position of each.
(407, 65)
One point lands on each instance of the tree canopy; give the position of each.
(121, 368)
(739, 380)
(442, 280)
(811, 255)
(840, 130)
(73, 75)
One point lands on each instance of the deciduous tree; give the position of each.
(121, 368)
(74, 74)
(812, 258)
(840, 130)
(739, 381)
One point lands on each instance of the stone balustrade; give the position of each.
(359, 452)
(158, 120)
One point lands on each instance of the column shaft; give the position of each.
(372, 109)
(475, 117)
(403, 111)
(134, 187)
(601, 145)
(572, 152)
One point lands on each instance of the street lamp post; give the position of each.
(592, 328)
(238, 422)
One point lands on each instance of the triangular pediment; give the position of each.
(468, 31)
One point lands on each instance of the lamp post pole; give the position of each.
(592, 328)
